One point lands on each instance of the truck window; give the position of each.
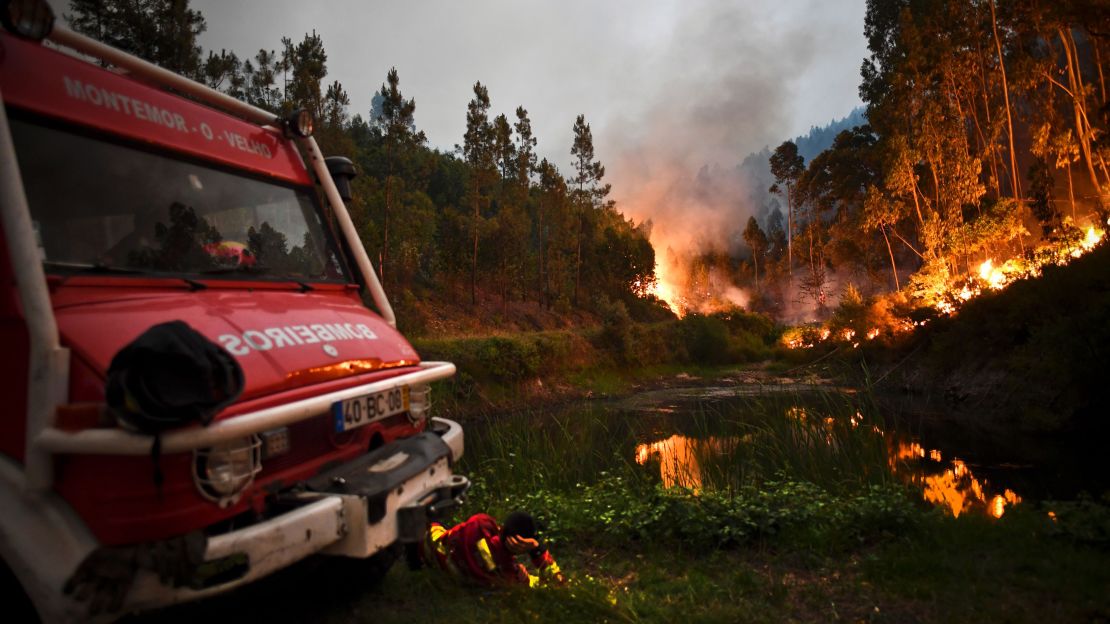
(103, 206)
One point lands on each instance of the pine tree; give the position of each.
(399, 135)
(163, 32)
(479, 152)
(307, 65)
(589, 193)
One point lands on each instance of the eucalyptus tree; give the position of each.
(757, 242)
(787, 166)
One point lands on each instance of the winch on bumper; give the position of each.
(355, 510)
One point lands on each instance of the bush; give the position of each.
(706, 338)
(616, 330)
(506, 358)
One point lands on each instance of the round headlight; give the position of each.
(300, 123)
(225, 470)
(32, 19)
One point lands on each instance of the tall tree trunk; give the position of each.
(578, 259)
(1006, 99)
(893, 266)
(983, 146)
(541, 294)
(474, 257)
(1081, 92)
(384, 256)
(990, 124)
(1071, 191)
(789, 236)
(1077, 107)
(1097, 45)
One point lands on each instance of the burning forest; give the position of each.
(981, 159)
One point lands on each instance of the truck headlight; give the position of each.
(31, 19)
(222, 472)
(299, 123)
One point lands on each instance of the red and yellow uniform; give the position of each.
(477, 549)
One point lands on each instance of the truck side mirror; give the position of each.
(342, 171)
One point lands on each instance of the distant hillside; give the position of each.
(819, 139)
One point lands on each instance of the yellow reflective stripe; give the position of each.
(549, 572)
(436, 534)
(486, 555)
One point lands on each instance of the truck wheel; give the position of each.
(17, 604)
(361, 574)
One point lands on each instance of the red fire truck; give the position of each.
(132, 197)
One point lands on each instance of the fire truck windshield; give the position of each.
(100, 206)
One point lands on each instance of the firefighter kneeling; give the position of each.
(481, 550)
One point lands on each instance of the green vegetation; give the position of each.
(505, 371)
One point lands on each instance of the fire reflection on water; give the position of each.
(954, 488)
(679, 464)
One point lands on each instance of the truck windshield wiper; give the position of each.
(80, 267)
(236, 269)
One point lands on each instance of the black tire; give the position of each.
(17, 604)
(365, 573)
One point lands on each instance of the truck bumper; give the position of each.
(354, 510)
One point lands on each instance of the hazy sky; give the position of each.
(737, 74)
(668, 86)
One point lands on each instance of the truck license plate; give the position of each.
(363, 410)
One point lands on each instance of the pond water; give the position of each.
(950, 484)
(737, 436)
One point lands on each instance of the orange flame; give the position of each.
(666, 290)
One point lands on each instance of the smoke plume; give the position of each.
(723, 88)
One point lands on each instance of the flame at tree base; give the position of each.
(955, 293)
